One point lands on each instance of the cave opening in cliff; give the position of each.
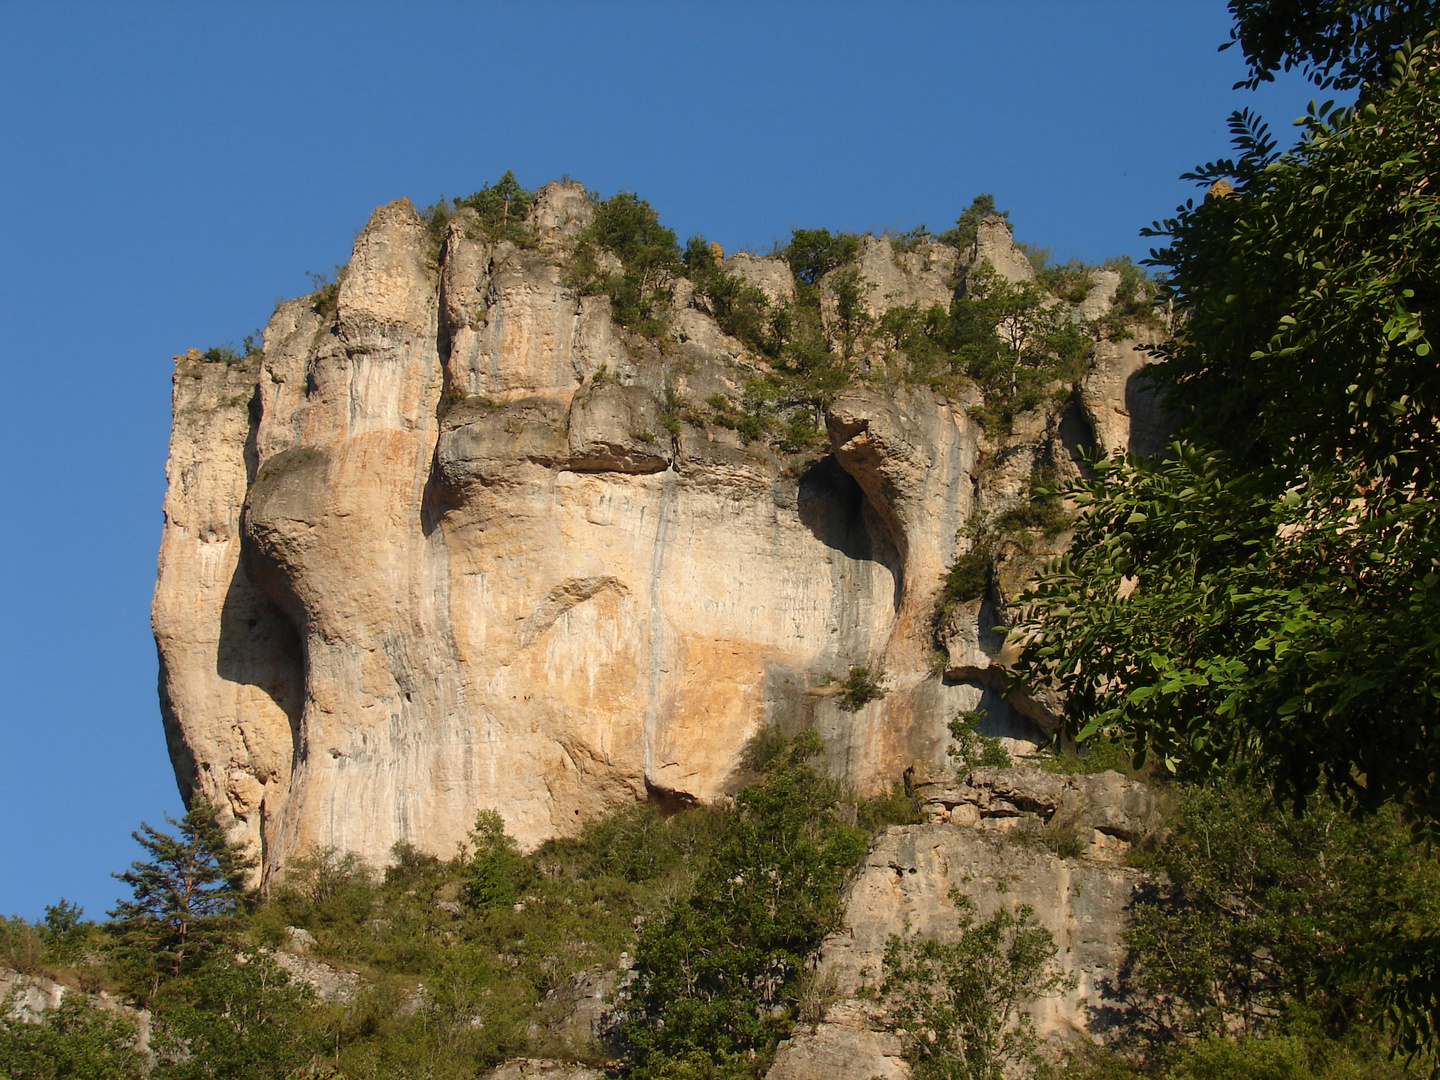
(837, 512)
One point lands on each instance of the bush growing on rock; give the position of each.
(627, 229)
(77, 1041)
(958, 1003)
(859, 688)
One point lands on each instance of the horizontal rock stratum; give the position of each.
(457, 541)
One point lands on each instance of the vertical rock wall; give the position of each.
(444, 547)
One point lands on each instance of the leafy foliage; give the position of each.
(1339, 43)
(1070, 281)
(1297, 1052)
(503, 209)
(1265, 597)
(967, 224)
(740, 309)
(1096, 756)
(628, 229)
(77, 1041)
(22, 946)
(958, 1004)
(971, 749)
(495, 871)
(717, 978)
(1204, 618)
(64, 933)
(325, 292)
(968, 578)
(232, 1020)
(1280, 606)
(1261, 913)
(860, 687)
(813, 253)
(1013, 341)
(1136, 301)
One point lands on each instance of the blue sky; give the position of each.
(170, 170)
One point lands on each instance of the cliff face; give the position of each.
(457, 543)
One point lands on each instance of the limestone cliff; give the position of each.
(453, 541)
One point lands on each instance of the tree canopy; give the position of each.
(1272, 603)
(183, 897)
(1337, 43)
(1264, 595)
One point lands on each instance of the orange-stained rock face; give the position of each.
(445, 547)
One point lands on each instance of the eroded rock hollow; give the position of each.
(454, 540)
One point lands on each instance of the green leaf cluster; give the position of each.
(233, 1018)
(77, 1041)
(972, 750)
(1261, 915)
(717, 979)
(740, 309)
(503, 209)
(1264, 597)
(495, 873)
(859, 688)
(185, 899)
(958, 1001)
(1266, 594)
(967, 225)
(1340, 43)
(627, 228)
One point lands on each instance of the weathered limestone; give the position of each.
(30, 997)
(987, 840)
(459, 542)
(770, 274)
(544, 1069)
(995, 245)
(1124, 408)
(232, 676)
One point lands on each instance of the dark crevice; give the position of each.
(832, 506)
(667, 801)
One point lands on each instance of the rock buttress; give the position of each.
(457, 541)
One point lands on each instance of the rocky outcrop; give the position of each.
(28, 998)
(1124, 408)
(457, 541)
(1099, 815)
(326, 981)
(582, 1017)
(992, 837)
(545, 1069)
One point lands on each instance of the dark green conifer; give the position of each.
(184, 899)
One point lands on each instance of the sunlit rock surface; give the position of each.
(448, 545)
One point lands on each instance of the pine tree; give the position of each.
(185, 898)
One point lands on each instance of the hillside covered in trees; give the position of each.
(1238, 638)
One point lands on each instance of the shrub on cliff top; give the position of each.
(739, 308)
(813, 253)
(503, 208)
(968, 223)
(628, 228)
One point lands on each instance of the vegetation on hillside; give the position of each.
(1254, 613)
(1264, 597)
(1246, 954)
(457, 959)
(1013, 344)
